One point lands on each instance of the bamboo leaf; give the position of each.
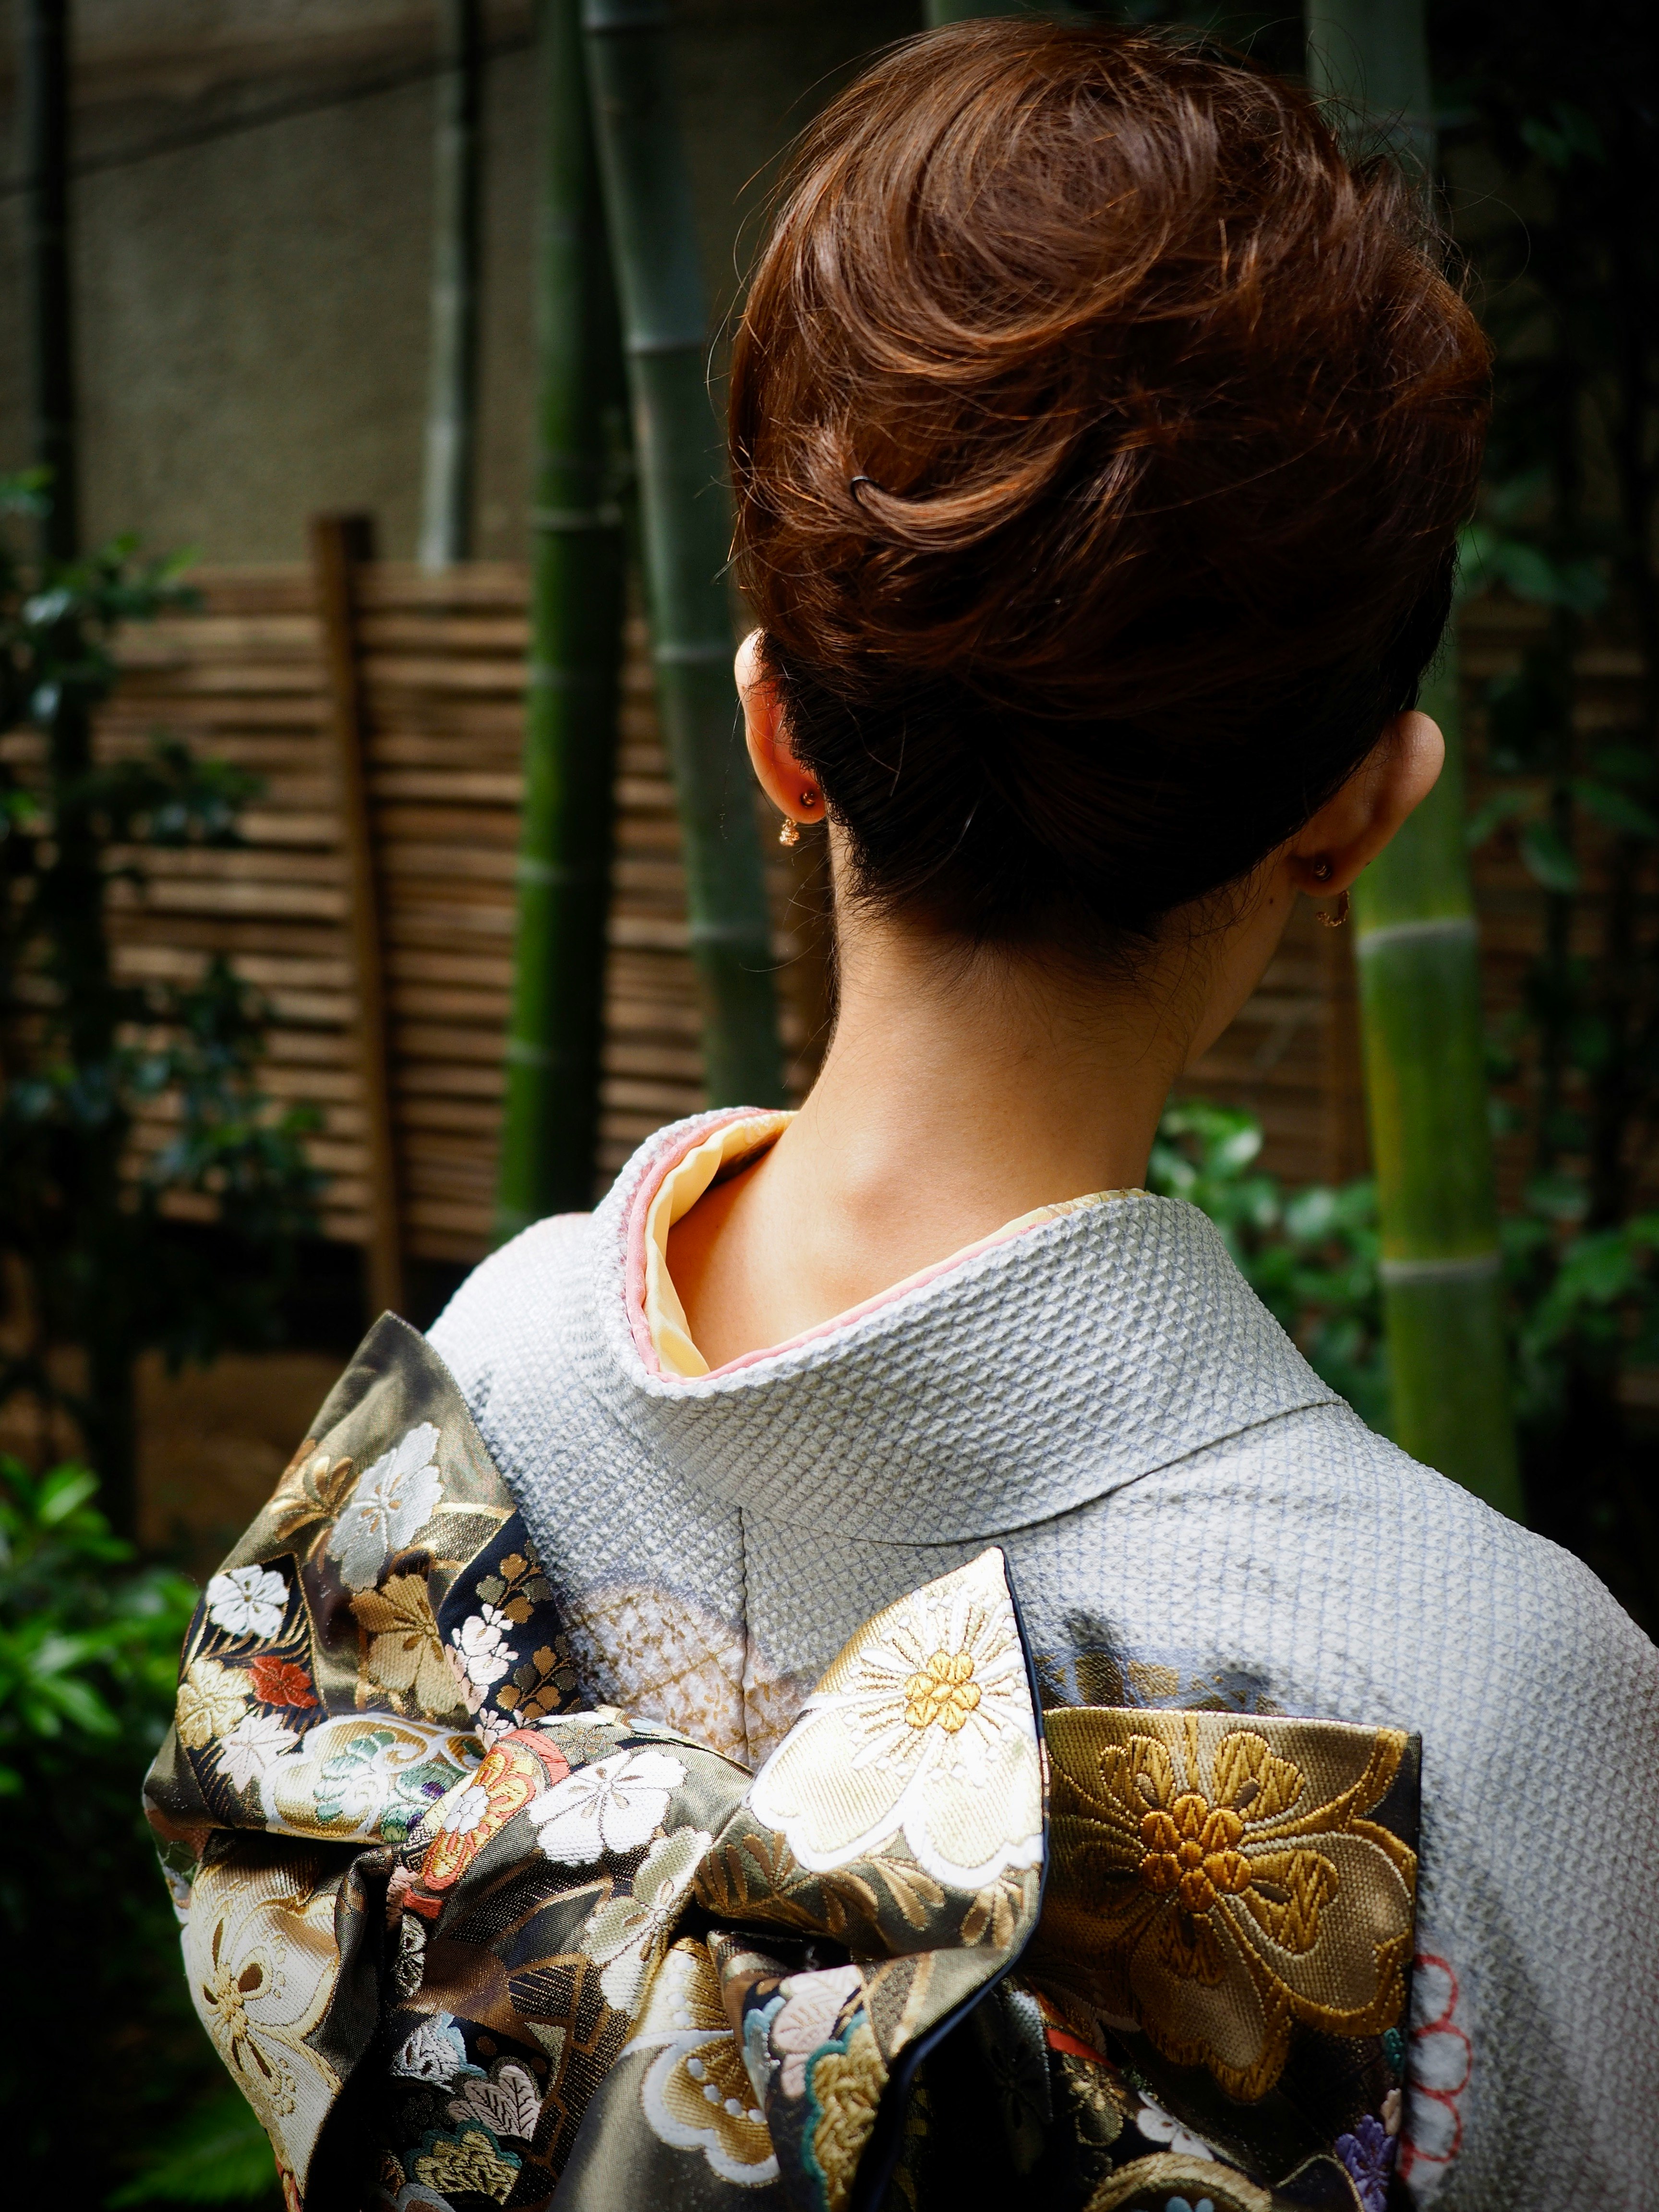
(1616, 808)
(1548, 858)
(1503, 806)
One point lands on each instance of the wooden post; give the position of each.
(339, 545)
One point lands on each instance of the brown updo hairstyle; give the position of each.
(1100, 435)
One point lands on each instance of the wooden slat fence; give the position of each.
(442, 664)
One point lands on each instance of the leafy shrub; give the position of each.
(104, 2069)
(1310, 1255)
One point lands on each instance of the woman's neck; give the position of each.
(959, 1092)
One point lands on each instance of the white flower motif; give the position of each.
(432, 2052)
(926, 1722)
(464, 1815)
(627, 1932)
(247, 1602)
(612, 1805)
(480, 1653)
(253, 1746)
(391, 1500)
(1161, 2127)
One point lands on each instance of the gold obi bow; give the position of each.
(461, 1945)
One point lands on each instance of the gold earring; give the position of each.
(1332, 917)
(789, 831)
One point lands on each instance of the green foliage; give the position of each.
(1310, 1255)
(97, 2022)
(1555, 198)
(82, 1051)
(218, 2154)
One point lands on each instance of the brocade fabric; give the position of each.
(462, 1943)
(1192, 1520)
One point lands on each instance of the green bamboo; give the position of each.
(685, 523)
(1417, 943)
(452, 373)
(550, 1123)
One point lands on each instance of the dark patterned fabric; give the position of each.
(462, 1943)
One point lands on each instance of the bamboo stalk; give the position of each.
(451, 384)
(550, 1134)
(685, 520)
(339, 543)
(45, 203)
(1417, 942)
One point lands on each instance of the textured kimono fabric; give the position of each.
(462, 1944)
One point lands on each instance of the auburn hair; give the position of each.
(1100, 433)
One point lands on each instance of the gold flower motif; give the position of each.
(261, 1960)
(471, 2161)
(943, 1692)
(696, 2094)
(212, 1699)
(846, 2087)
(313, 1488)
(1215, 1881)
(406, 1655)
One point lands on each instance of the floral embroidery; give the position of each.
(480, 1654)
(405, 1654)
(364, 1776)
(471, 2159)
(1220, 1891)
(433, 2052)
(1368, 2153)
(247, 1602)
(513, 1772)
(812, 2004)
(211, 1700)
(248, 1753)
(925, 1720)
(844, 2084)
(614, 1805)
(1437, 2075)
(627, 1934)
(942, 1693)
(280, 1682)
(313, 1488)
(696, 2094)
(509, 2103)
(393, 1500)
(259, 1952)
(1161, 2127)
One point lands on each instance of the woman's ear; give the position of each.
(792, 789)
(1352, 828)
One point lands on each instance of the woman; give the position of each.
(1100, 436)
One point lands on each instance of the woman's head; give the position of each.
(1100, 435)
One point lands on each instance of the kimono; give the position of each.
(1025, 1742)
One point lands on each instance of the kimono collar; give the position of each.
(1027, 1378)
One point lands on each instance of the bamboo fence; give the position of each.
(438, 667)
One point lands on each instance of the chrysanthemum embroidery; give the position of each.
(1222, 1887)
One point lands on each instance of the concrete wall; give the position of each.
(251, 248)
